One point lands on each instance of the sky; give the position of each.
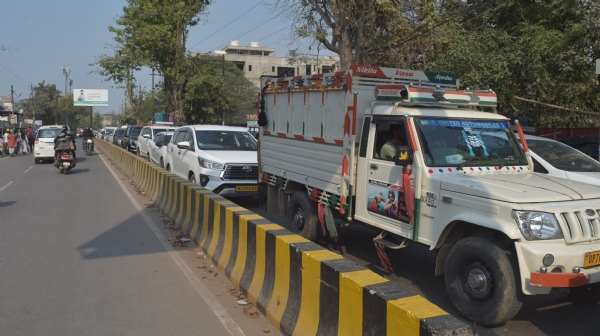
(41, 37)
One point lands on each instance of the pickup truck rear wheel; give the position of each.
(481, 280)
(302, 215)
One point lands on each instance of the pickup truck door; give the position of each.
(385, 203)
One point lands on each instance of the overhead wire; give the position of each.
(14, 74)
(225, 26)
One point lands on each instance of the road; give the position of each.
(414, 266)
(80, 254)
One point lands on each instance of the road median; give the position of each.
(301, 287)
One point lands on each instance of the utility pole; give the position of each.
(91, 117)
(66, 72)
(33, 107)
(12, 106)
(223, 72)
(70, 85)
(153, 82)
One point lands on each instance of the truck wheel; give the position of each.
(262, 195)
(587, 294)
(481, 282)
(302, 215)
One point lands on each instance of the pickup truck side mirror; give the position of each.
(404, 156)
(147, 136)
(184, 145)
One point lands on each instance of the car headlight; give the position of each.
(210, 164)
(537, 225)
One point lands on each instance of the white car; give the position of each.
(146, 136)
(220, 158)
(43, 145)
(109, 133)
(554, 158)
(157, 148)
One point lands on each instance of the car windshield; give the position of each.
(225, 140)
(48, 133)
(453, 142)
(135, 131)
(119, 132)
(563, 157)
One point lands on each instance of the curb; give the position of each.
(301, 287)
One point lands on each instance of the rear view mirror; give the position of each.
(184, 145)
(404, 156)
(147, 136)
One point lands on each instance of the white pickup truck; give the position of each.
(412, 156)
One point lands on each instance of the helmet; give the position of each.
(64, 128)
(88, 128)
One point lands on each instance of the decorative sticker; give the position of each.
(454, 159)
(464, 124)
(387, 200)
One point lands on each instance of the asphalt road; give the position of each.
(78, 258)
(414, 266)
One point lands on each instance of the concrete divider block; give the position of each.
(302, 288)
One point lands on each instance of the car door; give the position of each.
(188, 156)
(142, 142)
(154, 146)
(176, 153)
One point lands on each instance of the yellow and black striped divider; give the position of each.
(302, 288)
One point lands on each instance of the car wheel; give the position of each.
(138, 152)
(162, 164)
(481, 281)
(302, 215)
(192, 178)
(168, 168)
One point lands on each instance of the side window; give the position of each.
(180, 136)
(189, 138)
(175, 135)
(387, 138)
(538, 168)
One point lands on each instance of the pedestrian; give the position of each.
(30, 139)
(5, 138)
(12, 143)
(18, 134)
(24, 142)
(1, 146)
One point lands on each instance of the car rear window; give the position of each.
(48, 133)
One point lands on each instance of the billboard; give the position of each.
(90, 97)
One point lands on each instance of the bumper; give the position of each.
(530, 255)
(231, 187)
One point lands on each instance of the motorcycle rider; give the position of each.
(63, 142)
(87, 134)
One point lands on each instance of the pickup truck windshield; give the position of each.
(454, 142)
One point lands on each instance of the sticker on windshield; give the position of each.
(474, 141)
(465, 124)
(454, 159)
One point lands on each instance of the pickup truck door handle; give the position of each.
(374, 166)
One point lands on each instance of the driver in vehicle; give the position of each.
(388, 151)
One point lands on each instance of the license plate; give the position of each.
(591, 259)
(246, 188)
(66, 164)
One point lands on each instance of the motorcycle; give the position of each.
(88, 146)
(65, 161)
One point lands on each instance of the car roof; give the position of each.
(165, 126)
(50, 127)
(166, 133)
(217, 128)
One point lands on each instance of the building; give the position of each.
(256, 61)
(107, 119)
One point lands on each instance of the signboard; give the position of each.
(13, 119)
(90, 97)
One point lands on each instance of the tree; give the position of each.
(349, 28)
(153, 34)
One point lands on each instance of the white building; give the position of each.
(256, 61)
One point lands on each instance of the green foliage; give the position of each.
(153, 34)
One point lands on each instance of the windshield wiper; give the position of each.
(465, 162)
(505, 163)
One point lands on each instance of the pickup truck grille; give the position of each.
(240, 172)
(581, 228)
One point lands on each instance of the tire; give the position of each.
(36, 161)
(496, 297)
(137, 152)
(89, 150)
(302, 216)
(168, 168)
(192, 178)
(162, 163)
(586, 294)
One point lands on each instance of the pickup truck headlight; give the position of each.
(537, 225)
(210, 164)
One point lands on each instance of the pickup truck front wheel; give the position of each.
(481, 281)
(302, 215)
